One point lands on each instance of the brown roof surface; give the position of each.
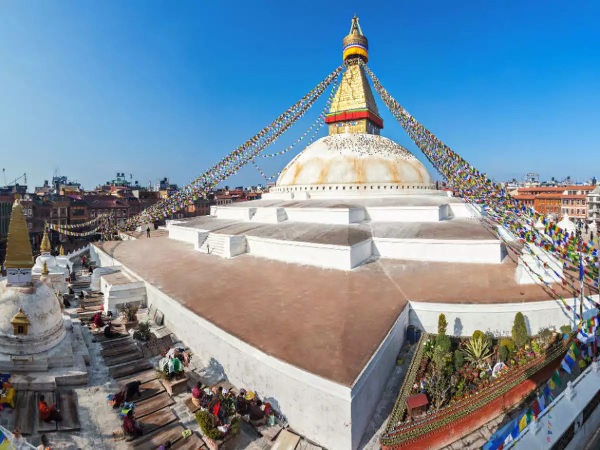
(344, 314)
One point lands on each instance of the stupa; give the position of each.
(304, 295)
(58, 268)
(33, 330)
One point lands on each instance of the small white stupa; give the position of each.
(58, 270)
(566, 224)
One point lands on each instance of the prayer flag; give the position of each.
(569, 360)
(575, 349)
(522, 423)
(542, 402)
(556, 378)
(535, 407)
(565, 366)
(581, 272)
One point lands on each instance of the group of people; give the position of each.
(174, 362)
(19, 442)
(222, 404)
(122, 399)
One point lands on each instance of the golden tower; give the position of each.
(19, 258)
(353, 109)
(45, 245)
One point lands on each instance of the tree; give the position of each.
(442, 324)
(519, 331)
(438, 387)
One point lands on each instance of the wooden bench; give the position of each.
(45, 427)
(127, 347)
(159, 437)
(150, 389)
(142, 377)
(286, 441)
(115, 342)
(25, 411)
(129, 368)
(152, 404)
(131, 357)
(190, 405)
(269, 432)
(157, 419)
(67, 403)
(191, 443)
(175, 387)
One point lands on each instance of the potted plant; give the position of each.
(129, 313)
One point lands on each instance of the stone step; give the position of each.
(75, 376)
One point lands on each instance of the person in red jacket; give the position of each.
(130, 427)
(48, 413)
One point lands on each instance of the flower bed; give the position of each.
(484, 394)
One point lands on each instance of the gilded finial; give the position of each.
(45, 270)
(355, 44)
(18, 246)
(45, 246)
(62, 251)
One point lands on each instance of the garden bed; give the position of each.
(462, 377)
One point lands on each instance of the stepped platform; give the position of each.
(320, 343)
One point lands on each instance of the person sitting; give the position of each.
(242, 406)
(197, 394)
(166, 446)
(48, 413)
(132, 389)
(127, 393)
(216, 410)
(108, 333)
(98, 322)
(257, 415)
(19, 442)
(130, 426)
(44, 443)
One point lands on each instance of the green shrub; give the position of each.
(442, 324)
(566, 329)
(508, 343)
(459, 359)
(503, 353)
(143, 333)
(477, 334)
(478, 350)
(208, 425)
(441, 354)
(519, 331)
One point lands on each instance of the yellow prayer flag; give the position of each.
(523, 422)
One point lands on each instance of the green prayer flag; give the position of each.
(556, 378)
(575, 349)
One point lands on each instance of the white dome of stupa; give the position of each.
(41, 306)
(355, 161)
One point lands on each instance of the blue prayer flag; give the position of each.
(581, 269)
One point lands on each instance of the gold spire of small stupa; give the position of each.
(18, 246)
(45, 270)
(62, 251)
(45, 246)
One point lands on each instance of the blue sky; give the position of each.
(157, 88)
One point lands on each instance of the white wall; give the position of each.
(367, 390)
(497, 318)
(406, 213)
(339, 216)
(319, 255)
(565, 409)
(235, 213)
(487, 252)
(183, 234)
(314, 406)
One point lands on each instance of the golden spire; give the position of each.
(45, 247)
(353, 109)
(62, 251)
(45, 270)
(18, 246)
